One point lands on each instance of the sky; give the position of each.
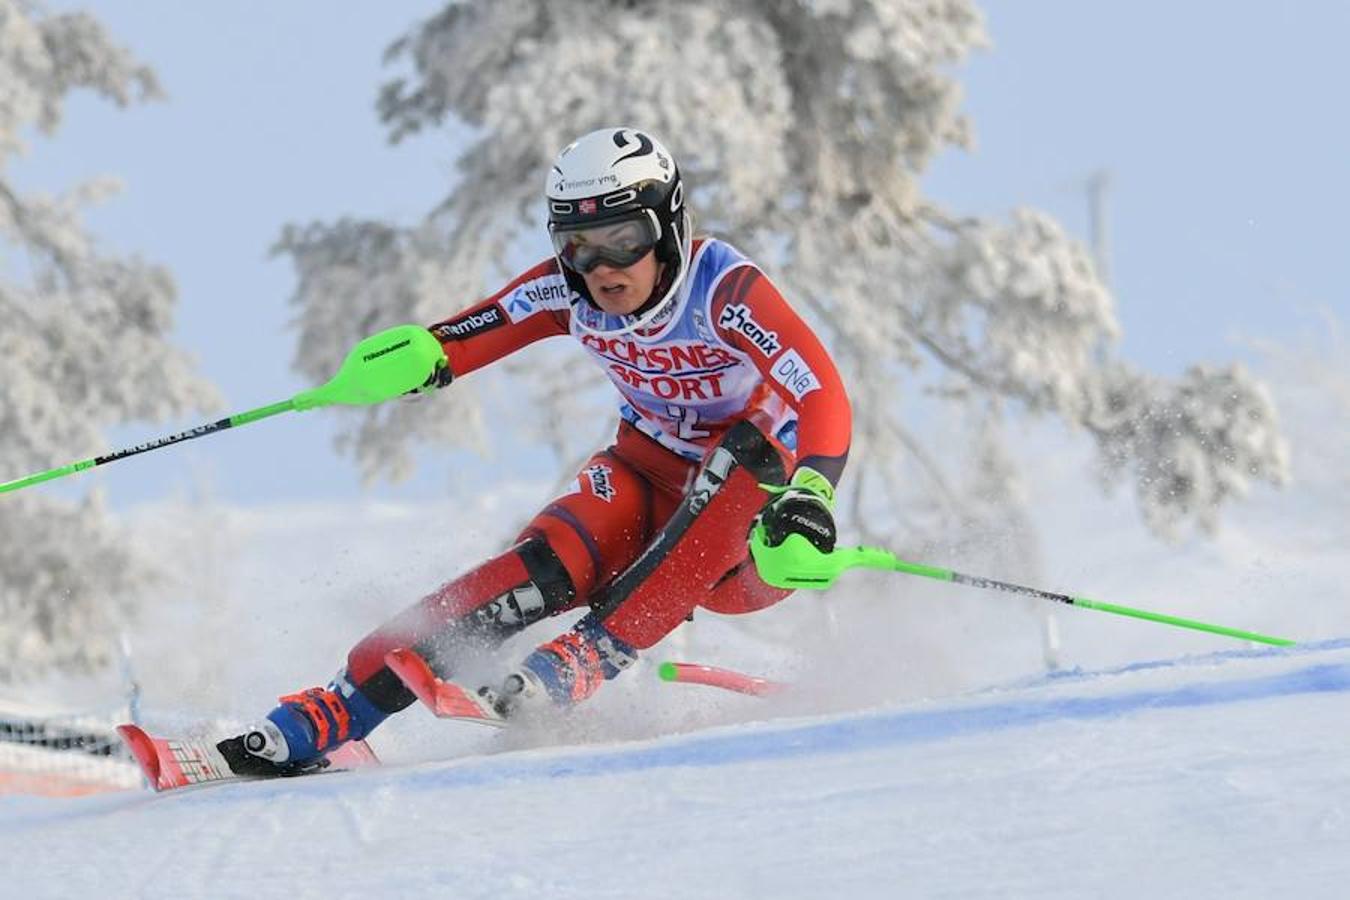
(1217, 124)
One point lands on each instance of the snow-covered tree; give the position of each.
(803, 127)
(82, 347)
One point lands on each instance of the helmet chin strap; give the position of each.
(649, 311)
(662, 284)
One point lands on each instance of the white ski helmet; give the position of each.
(613, 195)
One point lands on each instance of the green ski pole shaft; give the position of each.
(1085, 603)
(795, 563)
(379, 368)
(243, 418)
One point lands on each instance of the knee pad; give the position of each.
(547, 591)
(486, 620)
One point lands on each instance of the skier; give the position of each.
(724, 388)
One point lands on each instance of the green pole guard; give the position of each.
(379, 368)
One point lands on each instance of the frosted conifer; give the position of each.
(83, 345)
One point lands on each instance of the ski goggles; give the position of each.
(616, 244)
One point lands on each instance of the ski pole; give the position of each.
(379, 368)
(796, 563)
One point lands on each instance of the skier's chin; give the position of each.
(620, 300)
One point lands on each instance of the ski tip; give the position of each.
(142, 748)
(415, 674)
(712, 676)
(445, 699)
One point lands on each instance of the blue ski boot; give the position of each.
(296, 737)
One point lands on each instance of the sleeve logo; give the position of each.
(736, 317)
(470, 324)
(792, 372)
(533, 296)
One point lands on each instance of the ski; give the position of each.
(726, 679)
(172, 763)
(445, 699)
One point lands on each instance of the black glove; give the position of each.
(805, 506)
(439, 378)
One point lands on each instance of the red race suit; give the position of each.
(727, 389)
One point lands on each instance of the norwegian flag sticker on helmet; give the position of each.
(586, 207)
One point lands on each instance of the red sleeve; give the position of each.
(753, 317)
(531, 307)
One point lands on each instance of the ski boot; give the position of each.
(302, 733)
(566, 670)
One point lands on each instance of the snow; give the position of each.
(924, 750)
(1220, 775)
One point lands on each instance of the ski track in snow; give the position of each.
(1214, 775)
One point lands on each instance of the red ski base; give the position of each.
(445, 699)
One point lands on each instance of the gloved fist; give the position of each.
(439, 378)
(805, 506)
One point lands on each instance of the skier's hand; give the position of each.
(439, 378)
(805, 506)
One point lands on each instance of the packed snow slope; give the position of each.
(1214, 776)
